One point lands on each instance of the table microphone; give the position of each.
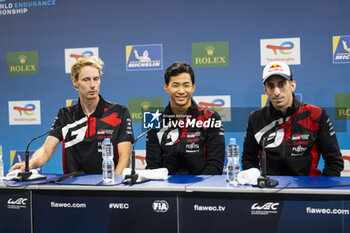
(132, 178)
(23, 176)
(264, 180)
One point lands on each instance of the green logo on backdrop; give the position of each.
(25, 62)
(139, 105)
(342, 106)
(210, 54)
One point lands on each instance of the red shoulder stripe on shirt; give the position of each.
(112, 119)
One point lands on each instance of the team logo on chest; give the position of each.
(104, 133)
(300, 144)
(193, 137)
(75, 132)
(273, 134)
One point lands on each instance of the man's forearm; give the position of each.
(124, 151)
(38, 159)
(123, 162)
(44, 153)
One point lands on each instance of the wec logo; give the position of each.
(266, 206)
(17, 204)
(19, 201)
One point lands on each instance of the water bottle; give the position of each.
(1, 163)
(236, 164)
(233, 166)
(107, 163)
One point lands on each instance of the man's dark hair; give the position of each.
(178, 68)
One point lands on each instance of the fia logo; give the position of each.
(160, 206)
(151, 120)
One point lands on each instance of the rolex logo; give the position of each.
(210, 50)
(210, 54)
(22, 59)
(22, 62)
(145, 105)
(137, 106)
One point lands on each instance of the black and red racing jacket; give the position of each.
(189, 149)
(82, 136)
(294, 141)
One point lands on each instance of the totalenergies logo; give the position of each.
(214, 105)
(142, 158)
(346, 170)
(284, 48)
(347, 158)
(83, 54)
(27, 109)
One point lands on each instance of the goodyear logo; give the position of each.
(144, 57)
(210, 54)
(341, 49)
(24, 62)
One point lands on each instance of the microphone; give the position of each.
(264, 180)
(132, 178)
(24, 176)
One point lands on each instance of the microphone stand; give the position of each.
(264, 180)
(132, 178)
(23, 176)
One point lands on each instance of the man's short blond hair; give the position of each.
(86, 61)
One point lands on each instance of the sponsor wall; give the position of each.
(227, 43)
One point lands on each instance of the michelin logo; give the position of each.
(341, 49)
(144, 57)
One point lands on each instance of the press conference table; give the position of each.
(179, 204)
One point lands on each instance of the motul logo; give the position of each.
(266, 206)
(19, 201)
